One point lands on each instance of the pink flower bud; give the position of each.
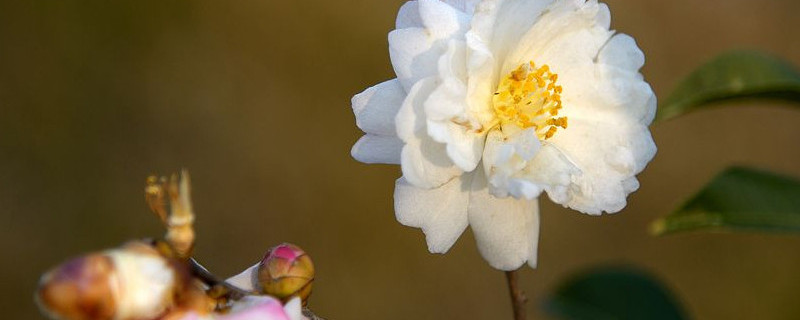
(286, 271)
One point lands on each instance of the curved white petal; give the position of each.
(408, 16)
(505, 160)
(372, 148)
(609, 155)
(501, 24)
(415, 50)
(414, 53)
(613, 93)
(448, 121)
(568, 36)
(410, 119)
(448, 100)
(553, 171)
(424, 162)
(506, 229)
(462, 147)
(621, 86)
(376, 107)
(441, 213)
(521, 166)
(441, 19)
(622, 52)
(466, 6)
(481, 73)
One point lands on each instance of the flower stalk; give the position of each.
(518, 298)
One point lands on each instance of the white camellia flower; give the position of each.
(497, 101)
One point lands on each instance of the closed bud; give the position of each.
(286, 271)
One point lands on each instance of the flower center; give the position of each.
(529, 97)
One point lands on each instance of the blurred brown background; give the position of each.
(253, 97)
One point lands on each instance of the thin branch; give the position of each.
(228, 291)
(518, 298)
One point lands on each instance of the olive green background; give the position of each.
(253, 97)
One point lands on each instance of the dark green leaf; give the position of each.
(739, 198)
(734, 75)
(613, 293)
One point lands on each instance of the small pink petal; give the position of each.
(286, 251)
(260, 308)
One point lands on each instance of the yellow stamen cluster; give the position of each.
(529, 97)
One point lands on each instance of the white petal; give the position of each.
(481, 70)
(506, 229)
(376, 107)
(408, 16)
(294, 310)
(462, 147)
(452, 64)
(372, 148)
(607, 91)
(448, 100)
(446, 110)
(609, 154)
(552, 170)
(441, 19)
(497, 153)
(622, 52)
(424, 162)
(618, 91)
(521, 166)
(501, 24)
(568, 35)
(414, 53)
(466, 6)
(424, 28)
(440, 212)
(410, 119)
(246, 279)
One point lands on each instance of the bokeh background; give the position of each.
(253, 97)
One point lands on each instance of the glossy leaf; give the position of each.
(739, 198)
(734, 75)
(613, 293)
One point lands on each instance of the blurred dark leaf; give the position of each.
(613, 293)
(739, 198)
(733, 75)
